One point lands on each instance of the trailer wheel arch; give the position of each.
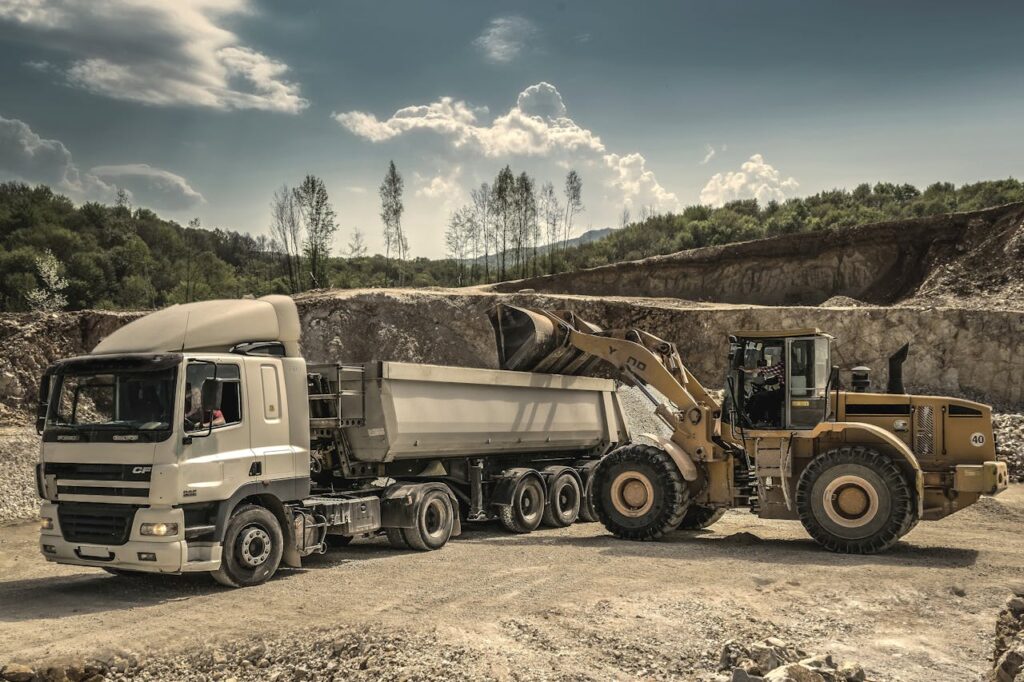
(396, 512)
(507, 482)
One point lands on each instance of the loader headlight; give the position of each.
(45, 523)
(161, 530)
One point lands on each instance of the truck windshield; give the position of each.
(142, 401)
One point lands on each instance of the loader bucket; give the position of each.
(537, 341)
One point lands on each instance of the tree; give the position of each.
(357, 244)
(286, 227)
(550, 214)
(456, 239)
(319, 219)
(49, 297)
(481, 198)
(525, 206)
(502, 206)
(624, 217)
(573, 202)
(391, 209)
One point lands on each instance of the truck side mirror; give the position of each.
(44, 403)
(213, 391)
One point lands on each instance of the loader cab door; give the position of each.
(757, 383)
(807, 367)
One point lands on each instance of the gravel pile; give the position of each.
(1009, 648)
(19, 452)
(368, 654)
(772, 660)
(1009, 429)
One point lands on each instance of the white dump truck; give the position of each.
(197, 438)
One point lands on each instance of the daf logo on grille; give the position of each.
(141, 470)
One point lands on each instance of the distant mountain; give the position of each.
(585, 238)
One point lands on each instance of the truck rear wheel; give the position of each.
(587, 511)
(253, 545)
(855, 500)
(435, 520)
(699, 517)
(526, 511)
(395, 538)
(564, 498)
(639, 493)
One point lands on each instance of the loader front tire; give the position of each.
(855, 500)
(639, 493)
(699, 517)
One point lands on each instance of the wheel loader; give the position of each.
(859, 469)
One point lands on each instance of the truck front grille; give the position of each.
(75, 471)
(102, 524)
(102, 491)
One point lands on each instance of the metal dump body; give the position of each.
(400, 411)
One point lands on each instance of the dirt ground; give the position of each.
(566, 604)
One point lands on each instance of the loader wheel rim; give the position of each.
(632, 494)
(850, 501)
(255, 545)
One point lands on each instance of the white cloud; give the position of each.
(153, 187)
(537, 127)
(708, 155)
(157, 52)
(26, 156)
(756, 179)
(355, 189)
(505, 38)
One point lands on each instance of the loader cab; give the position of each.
(778, 380)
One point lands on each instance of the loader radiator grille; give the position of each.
(102, 524)
(924, 431)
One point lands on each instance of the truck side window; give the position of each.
(230, 411)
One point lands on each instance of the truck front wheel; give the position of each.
(855, 500)
(639, 493)
(253, 545)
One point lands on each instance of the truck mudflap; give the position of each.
(398, 505)
(505, 487)
(987, 478)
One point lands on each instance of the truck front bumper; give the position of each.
(139, 553)
(987, 478)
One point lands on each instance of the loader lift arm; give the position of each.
(538, 340)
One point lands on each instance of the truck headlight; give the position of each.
(161, 530)
(45, 523)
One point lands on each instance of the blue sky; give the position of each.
(202, 108)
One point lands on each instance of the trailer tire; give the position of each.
(855, 500)
(699, 517)
(395, 538)
(526, 511)
(564, 499)
(588, 514)
(639, 493)
(253, 547)
(435, 521)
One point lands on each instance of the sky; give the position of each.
(202, 108)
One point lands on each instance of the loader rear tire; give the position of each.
(527, 509)
(639, 493)
(699, 517)
(855, 500)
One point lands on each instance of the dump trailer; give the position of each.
(859, 468)
(197, 438)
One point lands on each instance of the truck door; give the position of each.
(220, 451)
(269, 419)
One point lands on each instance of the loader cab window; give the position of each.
(225, 381)
(808, 369)
(758, 384)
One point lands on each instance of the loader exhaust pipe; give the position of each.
(896, 370)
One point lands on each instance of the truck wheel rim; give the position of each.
(435, 518)
(566, 498)
(255, 544)
(529, 503)
(632, 494)
(850, 501)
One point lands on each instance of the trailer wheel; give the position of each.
(253, 545)
(855, 500)
(588, 513)
(639, 493)
(564, 500)
(527, 508)
(435, 520)
(699, 517)
(395, 538)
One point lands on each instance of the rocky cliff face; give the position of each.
(961, 254)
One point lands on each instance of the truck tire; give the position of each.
(564, 498)
(855, 500)
(699, 517)
(639, 493)
(395, 538)
(435, 520)
(253, 546)
(526, 511)
(588, 514)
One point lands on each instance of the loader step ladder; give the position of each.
(337, 396)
